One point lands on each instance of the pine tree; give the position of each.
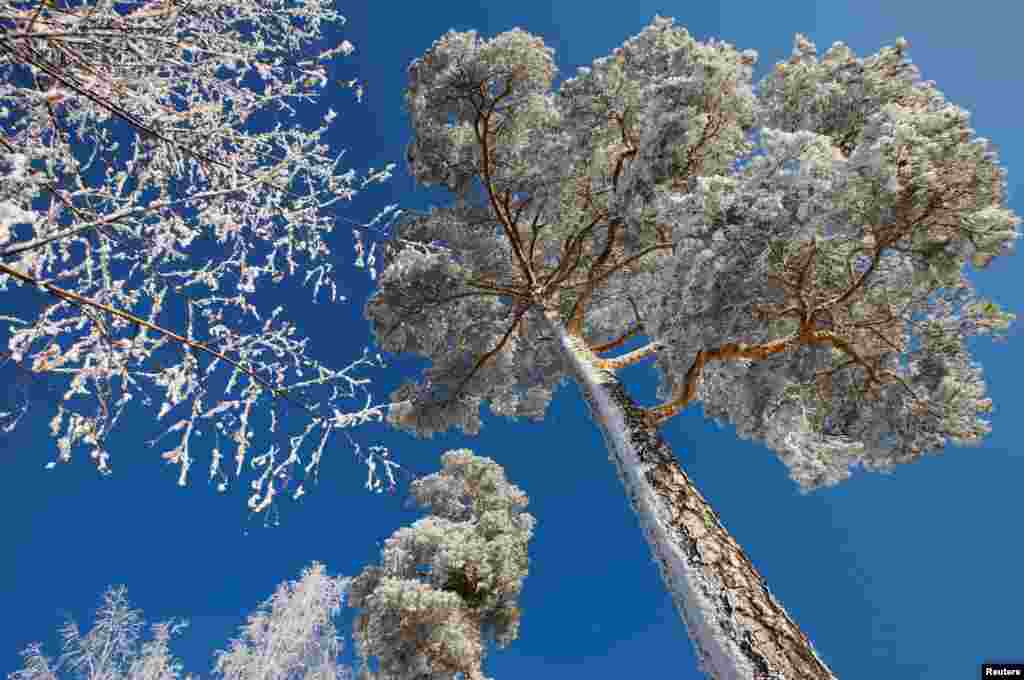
(451, 580)
(794, 256)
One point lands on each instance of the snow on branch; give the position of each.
(156, 182)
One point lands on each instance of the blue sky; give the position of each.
(913, 575)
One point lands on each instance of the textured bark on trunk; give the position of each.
(739, 629)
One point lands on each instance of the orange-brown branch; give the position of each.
(506, 222)
(572, 250)
(484, 284)
(688, 391)
(575, 325)
(732, 350)
(630, 358)
(618, 342)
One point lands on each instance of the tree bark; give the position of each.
(739, 629)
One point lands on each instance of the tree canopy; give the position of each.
(796, 253)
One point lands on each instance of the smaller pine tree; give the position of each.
(449, 581)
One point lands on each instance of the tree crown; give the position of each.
(795, 253)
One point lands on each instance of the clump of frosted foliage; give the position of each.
(425, 306)
(520, 69)
(667, 83)
(450, 580)
(875, 169)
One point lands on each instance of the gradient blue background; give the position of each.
(914, 575)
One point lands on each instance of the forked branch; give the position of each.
(687, 392)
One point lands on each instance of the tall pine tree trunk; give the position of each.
(739, 629)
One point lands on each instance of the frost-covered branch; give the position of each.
(79, 300)
(155, 181)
